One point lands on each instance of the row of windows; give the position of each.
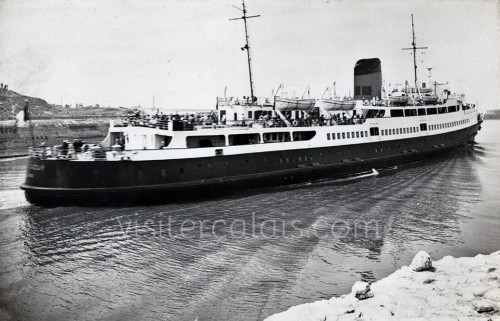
(373, 132)
(398, 131)
(448, 125)
(423, 111)
(345, 135)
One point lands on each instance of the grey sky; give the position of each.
(186, 52)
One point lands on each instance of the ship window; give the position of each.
(343, 135)
(308, 135)
(374, 131)
(357, 134)
(410, 112)
(276, 137)
(452, 109)
(162, 141)
(397, 113)
(333, 135)
(361, 134)
(348, 135)
(397, 131)
(243, 139)
(375, 113)
(205, 141)
(300, 159)
(442, 110)
(338, 135)
(250, 116)
(382, 132)
(287, 160)
(328, 136)
(431, 111)
(366, 133)
(421, 111)
(163, 172)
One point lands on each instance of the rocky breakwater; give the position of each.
(465, 288)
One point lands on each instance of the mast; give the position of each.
(247, 46)
(414, 48)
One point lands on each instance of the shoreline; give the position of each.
(465, 287)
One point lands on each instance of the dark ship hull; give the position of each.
(58, 182)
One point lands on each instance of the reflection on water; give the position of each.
(246, 256)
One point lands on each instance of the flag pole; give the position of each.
(27, 118)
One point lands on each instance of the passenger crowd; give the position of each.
(180, 122)
(188, 121)
(70, 150)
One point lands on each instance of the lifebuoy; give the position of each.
(295, 123)
(125, 157)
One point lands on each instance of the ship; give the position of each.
(251, 142)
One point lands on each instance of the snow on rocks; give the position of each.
(459, 288)
(483, 305)
(421, 262)
(361, 289)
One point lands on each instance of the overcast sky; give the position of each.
(185, 52)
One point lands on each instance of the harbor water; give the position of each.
(247, 255)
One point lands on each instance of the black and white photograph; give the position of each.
(288, 160)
